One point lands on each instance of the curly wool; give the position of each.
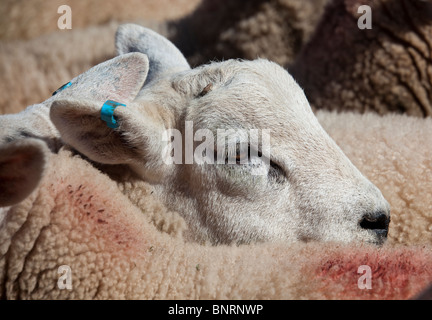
(385, 69)
(49, 62)
(220, 30)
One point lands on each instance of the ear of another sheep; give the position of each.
(22, 164)
(164, 57)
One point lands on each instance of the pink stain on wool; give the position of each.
(396, 273)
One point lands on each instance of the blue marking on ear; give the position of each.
(107, 113)
(62, 88)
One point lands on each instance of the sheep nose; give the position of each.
(377, 222)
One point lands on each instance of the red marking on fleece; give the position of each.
(397, 273)
(98, 216)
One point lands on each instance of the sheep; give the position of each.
(76, 221)
(391, 159)
(218, 228)
(321, 196)
(275, 30)
(385, 69)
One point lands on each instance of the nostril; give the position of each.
(375, 222)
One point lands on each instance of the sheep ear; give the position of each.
(120, 78)
(136, 139)
(22, 164)
(164, 57)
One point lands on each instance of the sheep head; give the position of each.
(309, 190)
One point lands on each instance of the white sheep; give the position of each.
(311, 191)
(256, 94)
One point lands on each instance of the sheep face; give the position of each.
(310, 190)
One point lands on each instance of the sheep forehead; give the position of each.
(251, 92)
(261, 73)
(251, 95)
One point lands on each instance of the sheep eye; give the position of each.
(242, 153)
(206, 90)
(275, 172)
(66, 85)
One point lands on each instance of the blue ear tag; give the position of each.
(62, 88)
(107, 113)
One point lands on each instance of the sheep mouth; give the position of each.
(381, 237)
